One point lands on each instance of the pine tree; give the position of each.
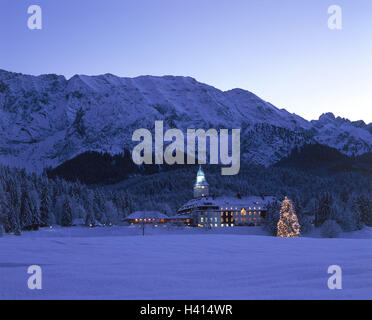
(26, 218)
(118, 200)
(44, 206)
(272, 218)
(365, 208)
(35, 209)
(288, 225)
(128, 204)
(66, 220)
(12, 206)
(90, 219)
(110, 212)
(98, 206)
(3, 215)
(324, 209)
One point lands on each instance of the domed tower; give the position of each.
(201, 186)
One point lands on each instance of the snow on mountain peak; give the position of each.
(329, 116)
(46, 120)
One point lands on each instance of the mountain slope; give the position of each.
(352, 138)
(46, 120)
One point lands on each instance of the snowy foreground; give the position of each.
(239, 263)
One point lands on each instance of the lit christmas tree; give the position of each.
(288, 225)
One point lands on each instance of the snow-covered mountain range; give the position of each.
(46, 120)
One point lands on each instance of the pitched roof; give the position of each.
(146, 215)
(178, 217)
(228, 202)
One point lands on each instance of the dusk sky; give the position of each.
(283, 51)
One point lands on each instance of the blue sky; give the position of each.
(282, 50)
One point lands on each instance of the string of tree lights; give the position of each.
(288, 226)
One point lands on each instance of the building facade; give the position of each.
(146, 217)
(216, 212)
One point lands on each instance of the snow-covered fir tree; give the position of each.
(272, 218)
(26, 211)
(324, 209)
(66, 219)
(45, 206)
(364, 205)
(90, 218)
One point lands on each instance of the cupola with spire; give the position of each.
(201, 186)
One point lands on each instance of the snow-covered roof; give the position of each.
(228, 202)
(244, 200)
(146, 215)
(179, 217)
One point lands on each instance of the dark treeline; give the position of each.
(115, 168)
(112, 168)
(30, 201)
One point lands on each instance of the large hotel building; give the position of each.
(212, 212)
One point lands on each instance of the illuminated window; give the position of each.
(201, 219)
(216, 225)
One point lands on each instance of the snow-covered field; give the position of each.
(236, 263)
